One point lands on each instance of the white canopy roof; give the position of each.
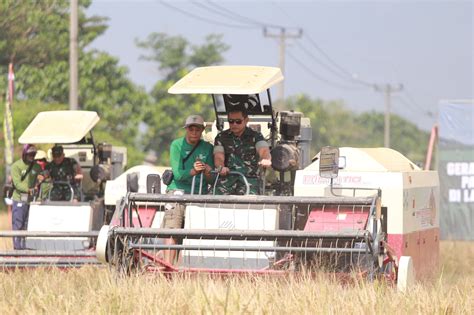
(227, 80)
(63, 126)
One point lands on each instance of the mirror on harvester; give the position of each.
(132, 182)
(153, 184)
(329, 162)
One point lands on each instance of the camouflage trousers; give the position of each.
(233, 185)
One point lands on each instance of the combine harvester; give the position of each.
(63, 232)
(365, 211)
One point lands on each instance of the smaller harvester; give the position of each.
(63, 232)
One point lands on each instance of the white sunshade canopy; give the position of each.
(228, 80)
(63, 126)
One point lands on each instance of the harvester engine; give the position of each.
(110, 164)
(287, 155)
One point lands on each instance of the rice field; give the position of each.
(100, 291)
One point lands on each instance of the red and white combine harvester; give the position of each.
(366, 211)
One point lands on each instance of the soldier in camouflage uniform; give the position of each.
(240, 149)
(63, 171)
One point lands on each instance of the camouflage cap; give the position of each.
(194, 120)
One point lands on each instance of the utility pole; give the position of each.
(282, 36)
(387, 89)
(73, 53)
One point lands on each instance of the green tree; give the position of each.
(331, 122)
(35, 37)
(173, 54)
(36, 33)
(175, 57)
(406, 137)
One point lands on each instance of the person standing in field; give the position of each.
(25, 173)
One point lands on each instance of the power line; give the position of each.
(251, 23)
(335, 64)
(387, 89)
(411, 99)
(282, 36)
(204, 19)
(234, 15)
(347, 74)
(317, 77)
(321, 51)
(212, 9)
(220, 10)
(275, 4)
(318, 61)
(414, 106)
(408, 104)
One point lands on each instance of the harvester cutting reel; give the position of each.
(249, 234)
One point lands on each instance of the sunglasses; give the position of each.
(235, 121)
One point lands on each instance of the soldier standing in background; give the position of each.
(240, 149)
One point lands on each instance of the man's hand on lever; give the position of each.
(223, 171)
(201, 167)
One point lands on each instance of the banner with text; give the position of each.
(456, 169)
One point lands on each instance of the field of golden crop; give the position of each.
(100, 291)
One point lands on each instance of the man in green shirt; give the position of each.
(190, 156)
(186, 164)
(24, 176)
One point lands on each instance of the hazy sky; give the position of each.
(427, 46)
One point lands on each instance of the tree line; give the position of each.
(35, 38)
